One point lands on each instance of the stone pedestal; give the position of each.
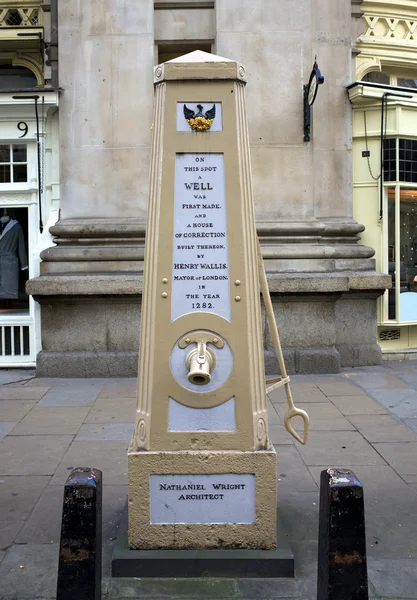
(198, 499)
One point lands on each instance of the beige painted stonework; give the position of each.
(201, 420)
(260, 534)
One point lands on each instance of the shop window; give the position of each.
(13, 262)
(402, 252)
(13, 163)
(16, 78)
(407, 160)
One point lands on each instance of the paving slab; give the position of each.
(411, 423)
(322, 416)
(52, 420)
(339, 387)
(110, 457)
(343, 448)
(402, 457)
(409, 378)
(357, 405)
(6, 427)
(8, 532)
(119, 388)
(370, 381)
(293, 475)
(312, 394)
(19, 392)
(400, 402)
(16, 375)
(105, 432)
(15, 410)
(279, 435)
(18, 495)
(193, 588)
(32, 455)
(38, 576)
(382, 428)
(72, 392)
(305, 554)
(299, 513)
(111, 410)
(393, 578)
(391, 536)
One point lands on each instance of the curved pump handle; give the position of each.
(297, 412)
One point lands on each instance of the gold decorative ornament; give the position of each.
(199, 121)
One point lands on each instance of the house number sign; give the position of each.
(200, 270)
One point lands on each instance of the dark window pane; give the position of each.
(20, 173)
(13, 18)
(4, 153)
(410, 83)
(16, 77)
(4, 173)
(376, 77)
(407, 160)
(19, 153)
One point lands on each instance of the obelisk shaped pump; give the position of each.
(201, 470)
(201, 370)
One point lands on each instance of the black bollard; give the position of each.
(342, 572)
(79, 570)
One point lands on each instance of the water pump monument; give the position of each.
(202, 472)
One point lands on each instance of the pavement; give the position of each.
(364, 419)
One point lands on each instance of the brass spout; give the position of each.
(200, 362)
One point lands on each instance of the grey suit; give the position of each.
(12, 252)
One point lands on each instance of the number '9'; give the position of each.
(22, 126)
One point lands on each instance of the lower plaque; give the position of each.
(202, 499)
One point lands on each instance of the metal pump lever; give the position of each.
(284, 380)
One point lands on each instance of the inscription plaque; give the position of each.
(200, 273)
(202, 499)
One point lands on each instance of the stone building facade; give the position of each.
(328, 275)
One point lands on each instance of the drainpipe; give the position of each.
(53, 45)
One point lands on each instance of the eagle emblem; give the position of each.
(199, 121)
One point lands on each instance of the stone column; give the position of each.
(87, 287)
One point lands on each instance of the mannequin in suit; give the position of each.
(12, 253)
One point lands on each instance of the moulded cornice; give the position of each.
(403, 8)
(390, 36)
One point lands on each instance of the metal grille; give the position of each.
(34, 19)
(387, 335)
(13, 18)
(14, 340)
